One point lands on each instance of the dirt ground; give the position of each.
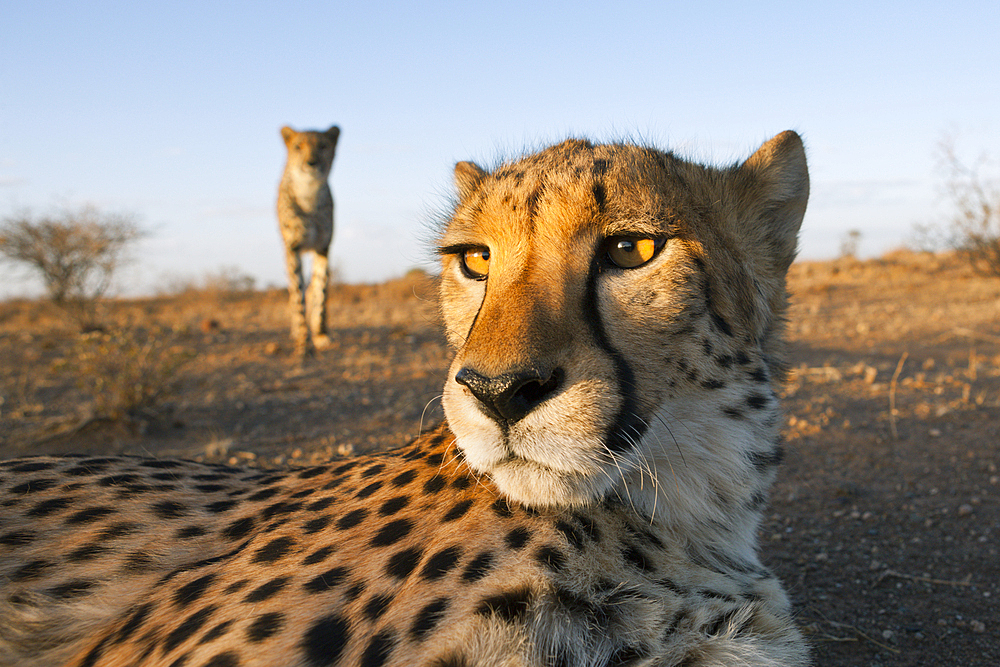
(885, 521)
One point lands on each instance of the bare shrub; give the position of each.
(128, 372)
(975, 223)
(850, 243)
(75, 252)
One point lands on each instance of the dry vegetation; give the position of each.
(885, 523)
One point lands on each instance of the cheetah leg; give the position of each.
(297, 303)
(318, 283)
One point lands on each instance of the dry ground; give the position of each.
(885, 523)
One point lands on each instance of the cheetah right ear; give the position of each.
(468, 176)
(333, 134)
(287, 133)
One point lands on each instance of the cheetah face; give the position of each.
(607, 304)
(311, 153)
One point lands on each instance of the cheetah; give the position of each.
(305, 215)
(591, 500)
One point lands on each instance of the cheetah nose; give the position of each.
(510, 396)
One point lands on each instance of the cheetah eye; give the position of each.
(629, 252)
(476, 263)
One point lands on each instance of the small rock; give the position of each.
(272, 349)
(965, 510)
(887, 634)
(977, 626)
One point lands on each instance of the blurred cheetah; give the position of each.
(592, 500)
(305, 215)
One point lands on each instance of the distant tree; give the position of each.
(850, 242)
(75, 252)
(975, 223)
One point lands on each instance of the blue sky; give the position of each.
(171, 110)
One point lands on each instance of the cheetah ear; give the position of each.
(779, 191)
(333, 134)
(468, 176)
(287, 133)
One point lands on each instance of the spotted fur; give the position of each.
(591, 501)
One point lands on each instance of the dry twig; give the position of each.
(892, 396)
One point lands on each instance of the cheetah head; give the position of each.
(311, 153)
(608, 304)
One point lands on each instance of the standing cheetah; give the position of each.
(305, 215)
(592, 500)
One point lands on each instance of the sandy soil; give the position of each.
(885, 521)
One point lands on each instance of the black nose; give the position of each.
(511, 396)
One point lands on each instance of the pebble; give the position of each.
(977, 626)
(965, 510)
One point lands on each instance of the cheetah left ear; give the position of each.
(333, 134)
(468, 176)
(778, 194)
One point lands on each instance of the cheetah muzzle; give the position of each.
(592, 499)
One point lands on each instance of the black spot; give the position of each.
(190, 592)
(88, 515)
(458, 511)
(461, 483)
(376, 606)
(768, 459)
(354, 592)
(189, 532)
(185, 630)
(733, 413)
(210, 488)
(370, 489)
(724, 360)
(238, 529)
(434, 460)
(373, 470)
(278, 509)
(721, 324)
(165, 463)
(316, 525)
(478, 567)
(627, 655)
(227, 659)
(326, 581)
(265, 626)
(378, 650)
(85, 553)
(333, 483)
(435, 484)
(33, 486)
(393, 505)
(94, 654)
(324, 642)
(216, 632)
(571, 534)
(428, 618)
(220, 506)
(403, 563)
(32, 466)
(344, 467)
(392, 532)
(715, 627)
(134, 622)
(71, 589)
(510, 606)
(631, 554)
(305, 493)
(236, 586)
(712, 383)
(759, 375)
(318, 556)
(263, 494)
(320, 505)
(274, 550)
(404, 478)
(309, 473)
(30, 570)
(588, 526)
(757, 401)
(600, 196)
(550, 557)
(352, 518)
(501, 508)
(269, 589)
(517, 538)
(138, 562)
(441, 563)
(47, 507)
